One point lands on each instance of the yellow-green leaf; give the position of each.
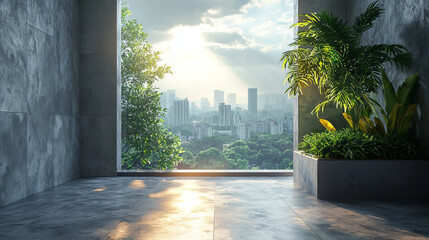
(404, 121)
(389, 92)
(348, 118)
(392, 118)
(363, 125)
(327, 125)
(379, 125)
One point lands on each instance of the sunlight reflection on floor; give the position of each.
(184, 211)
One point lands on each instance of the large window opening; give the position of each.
(202, 85)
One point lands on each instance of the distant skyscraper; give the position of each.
(170, 97)
(243, 131)
(193, 108)
(181, 112)
(231, 99)
(252, 101)
(163, 100)
(205, 104)
(218, 97)
(224, 116)
(276, 128)
(221, 114)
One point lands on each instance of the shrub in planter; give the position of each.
(351, 144)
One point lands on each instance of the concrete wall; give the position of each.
(99, 85)
(39, 111)
(405, 22)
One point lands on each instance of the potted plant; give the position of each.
(330, 55)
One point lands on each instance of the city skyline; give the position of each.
(204, 102)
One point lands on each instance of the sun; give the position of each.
(194, 65)
(187, 39)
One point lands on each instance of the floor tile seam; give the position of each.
(283, 200)
(122, 218)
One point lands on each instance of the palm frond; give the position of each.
(366, 20)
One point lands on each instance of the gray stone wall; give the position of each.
(405, 22)
(100, 90)
(39, 111)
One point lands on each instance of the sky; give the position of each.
(230, 45)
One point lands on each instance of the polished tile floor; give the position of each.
(204, 208)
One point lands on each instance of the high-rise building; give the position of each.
(224, 115)
(236, 118)
(193, 108)
(205, 104)
(231, 99)
(170, 97)
(243, 131)
(181, 112)
(260, 127)
(276, 128)
(228, 115)
(201, 131)
(218, 97)
(252, 102)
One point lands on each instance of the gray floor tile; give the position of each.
(204, 208)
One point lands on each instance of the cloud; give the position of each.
(258, 69)
(227, 40)
(165, 14)
(263, 29)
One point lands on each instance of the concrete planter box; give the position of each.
(362, 179)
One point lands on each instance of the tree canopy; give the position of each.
(146, 143)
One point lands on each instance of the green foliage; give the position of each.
(398, 111)
(352, 144)
(139, 62)
(215, 141)
(329, 54)
(188, 161)
(211, 158)
(184, 130)
(259, 152)
(145, 141)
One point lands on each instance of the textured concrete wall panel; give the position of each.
(99, 29)
(13, 167)
(98, 146)
(42, 71)
(98, 85)
(67, 42)
(41, 15)
(39, 111)
(66, 148)
(13, 61)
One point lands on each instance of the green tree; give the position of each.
(211, 158)
(215, 141)
(188, 161)
(145, 141)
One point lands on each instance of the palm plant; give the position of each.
(328, 53)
